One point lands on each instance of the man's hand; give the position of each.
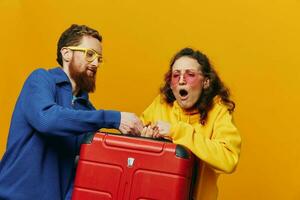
(130, 124)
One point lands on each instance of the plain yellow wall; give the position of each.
(254, 45)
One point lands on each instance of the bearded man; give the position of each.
(51, 117)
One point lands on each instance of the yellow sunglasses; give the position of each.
(89, 54)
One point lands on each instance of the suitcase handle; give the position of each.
(152, 145)
(139, 144)
(88, 138)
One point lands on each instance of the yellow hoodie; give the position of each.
(216, 144)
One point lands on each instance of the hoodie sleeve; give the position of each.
(149, 114)
(221, 151)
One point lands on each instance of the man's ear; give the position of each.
(206, 83)
(66, 54)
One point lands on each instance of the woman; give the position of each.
(194, 110)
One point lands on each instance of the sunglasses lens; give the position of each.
(90, 55)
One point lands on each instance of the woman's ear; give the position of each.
(66, 54)
(206, 83)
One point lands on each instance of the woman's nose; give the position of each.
(181, 79)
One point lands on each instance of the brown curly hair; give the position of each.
(216, 87)
(72, 37)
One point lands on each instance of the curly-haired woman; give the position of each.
(194, 109)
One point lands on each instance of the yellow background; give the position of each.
(254, 45)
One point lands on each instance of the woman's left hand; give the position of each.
(160, 129)
(150, 131)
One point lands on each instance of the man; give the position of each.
(50, 118)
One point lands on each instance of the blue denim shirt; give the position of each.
(45, 135)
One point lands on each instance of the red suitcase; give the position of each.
(120, 167)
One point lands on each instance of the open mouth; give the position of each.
(183, 93)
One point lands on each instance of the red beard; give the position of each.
(83, 81)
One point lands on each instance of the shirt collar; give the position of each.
(59, 75)
(83, 96)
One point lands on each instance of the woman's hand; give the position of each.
(163, 127)
(150, 130)
(160, 129)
